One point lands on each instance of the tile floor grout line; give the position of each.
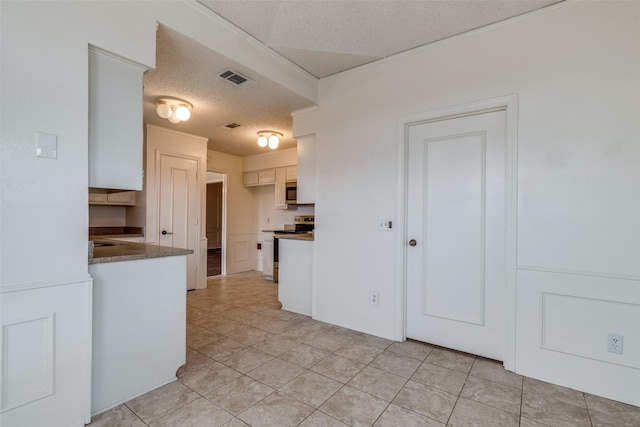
(459, 394)
(584, 397)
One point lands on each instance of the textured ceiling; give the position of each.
(327, 37)
(321, 37)
(189, 70)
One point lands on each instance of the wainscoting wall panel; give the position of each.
(569, 326)
(46, 352)
(241, 254)
(563, 320)
(28, 375)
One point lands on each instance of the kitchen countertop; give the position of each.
(117, 251)
(294, 236)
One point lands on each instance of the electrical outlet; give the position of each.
(374, 298)
(614, 343)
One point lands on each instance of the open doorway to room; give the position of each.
(216, 223)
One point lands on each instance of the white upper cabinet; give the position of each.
(306, 173)
(115, 122)
(291, 173)
(281, 189)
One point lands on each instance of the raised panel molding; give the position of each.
(544, 269)
(28, 360)
(568, 326)
(241, 255)
(563, 320)
(440, 296)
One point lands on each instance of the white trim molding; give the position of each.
(604, 274)
(48, 283)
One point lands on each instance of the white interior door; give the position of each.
(457, 271)
(179, 207)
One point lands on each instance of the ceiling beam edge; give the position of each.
(199, 23)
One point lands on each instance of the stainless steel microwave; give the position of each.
(292, 193)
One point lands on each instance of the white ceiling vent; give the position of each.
(237, 79)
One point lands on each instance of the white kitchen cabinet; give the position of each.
(267, 176)
(115, 121)
(306, 173)
(122, 198)
(250, 179)
(263, 177)
(139, 327)
(99, 196)
(281, 189)
(295, 261)
(291, 173)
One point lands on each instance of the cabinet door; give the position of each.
(267, 176)
(115, 122)
(121, 198)
(97, 197)
(281, 189)
(291, 173)
(250, 178)
(307, 169)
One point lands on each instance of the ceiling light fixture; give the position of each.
(176, 110)
(270, 138)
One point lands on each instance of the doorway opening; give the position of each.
(216, 223)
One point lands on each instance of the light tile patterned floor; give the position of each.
(250, 363)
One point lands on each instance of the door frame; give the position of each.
(508, 103)
(223, 238)
(198, 251)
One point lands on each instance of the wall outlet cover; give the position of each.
(614, 343)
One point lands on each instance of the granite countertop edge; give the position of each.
(114, 236)
(292, 236)
(126, 251)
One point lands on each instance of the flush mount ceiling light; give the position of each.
(270, 138)
(176, 110)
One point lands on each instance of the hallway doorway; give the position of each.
(215, 223)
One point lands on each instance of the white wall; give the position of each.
(242, 212)
(268, 217)
(44, 209)
(575, 70)
(45, 81)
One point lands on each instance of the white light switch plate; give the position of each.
(385, 224)
(46, 145)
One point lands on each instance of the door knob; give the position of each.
(412, 242)
(164, 232)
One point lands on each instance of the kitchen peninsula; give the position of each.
(295, 275)
(139, 319)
